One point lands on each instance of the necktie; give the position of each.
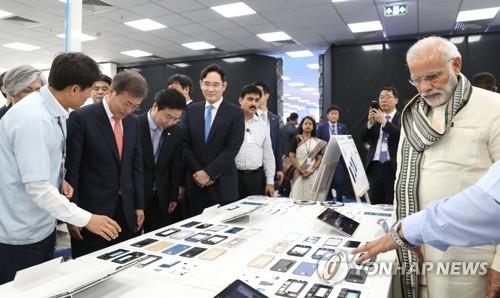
(208, 120)
(157, 141)
(333, 129)
(384, 156)
(62, 170)
(118, 136)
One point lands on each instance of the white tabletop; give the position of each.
(279, 220)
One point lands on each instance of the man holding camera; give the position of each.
(382, 136)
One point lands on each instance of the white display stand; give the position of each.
(355, 166)
(279, 220)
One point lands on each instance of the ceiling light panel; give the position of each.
(234, 59)
(198, 45)
(4, 13)
(477, 14)
(365, 27)
(274, 36)
(21, 46)
(145, 25)
(232, 10)
(136, 53)
(300, 54)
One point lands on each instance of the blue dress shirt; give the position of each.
(469, 218)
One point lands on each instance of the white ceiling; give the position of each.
(313, 25)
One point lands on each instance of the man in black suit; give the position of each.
(382, 136)
(104, 161)
(183, 84)
(273, 123)
(325, 130)
(287, 132)
(214, 133)
(161, 140)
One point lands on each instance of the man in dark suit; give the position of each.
(325, 130)
(183, 84)
(382, 136)
(104, 162)
(287, 132)
(273, 123)
(214, 133)
(161, 140)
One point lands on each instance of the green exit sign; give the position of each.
(395, 10)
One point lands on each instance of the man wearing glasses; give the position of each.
(215, 131)
(104, 161)
(382, 134)
(450, 137)
(161, 140)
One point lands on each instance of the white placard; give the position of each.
(354, 165)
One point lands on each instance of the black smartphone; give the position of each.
(112, 254)
(283, 265)
(128, 257)
(214, 239)
(349, 293)
(356, 276)
(239, 289)
(374, 105)
(193, 252)
(144, 242)
(352, 244)
(191, 224)
(340, 223)
(299, 250)
(167, 232)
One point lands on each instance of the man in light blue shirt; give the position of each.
(32, 152)
(469, 218)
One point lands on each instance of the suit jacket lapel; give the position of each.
(165, 139)
(107, 131)
(148, 152)
(128, 141)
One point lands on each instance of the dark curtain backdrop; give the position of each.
(353, 77)
(256, 67)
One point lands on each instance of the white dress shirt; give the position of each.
(110, 115)
(256, 150)
(215, 108)
(380, 137)
(31, 143)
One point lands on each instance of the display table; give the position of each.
(267, 235)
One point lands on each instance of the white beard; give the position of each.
(437, 97)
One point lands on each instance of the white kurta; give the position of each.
(452, 164)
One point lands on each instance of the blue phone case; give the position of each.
(305, 269)
(176, 249)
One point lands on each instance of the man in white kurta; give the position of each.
(451, 137)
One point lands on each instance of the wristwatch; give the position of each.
(393, 232)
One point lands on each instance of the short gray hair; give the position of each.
(19, 78)
(433, 43)
(130, 81)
